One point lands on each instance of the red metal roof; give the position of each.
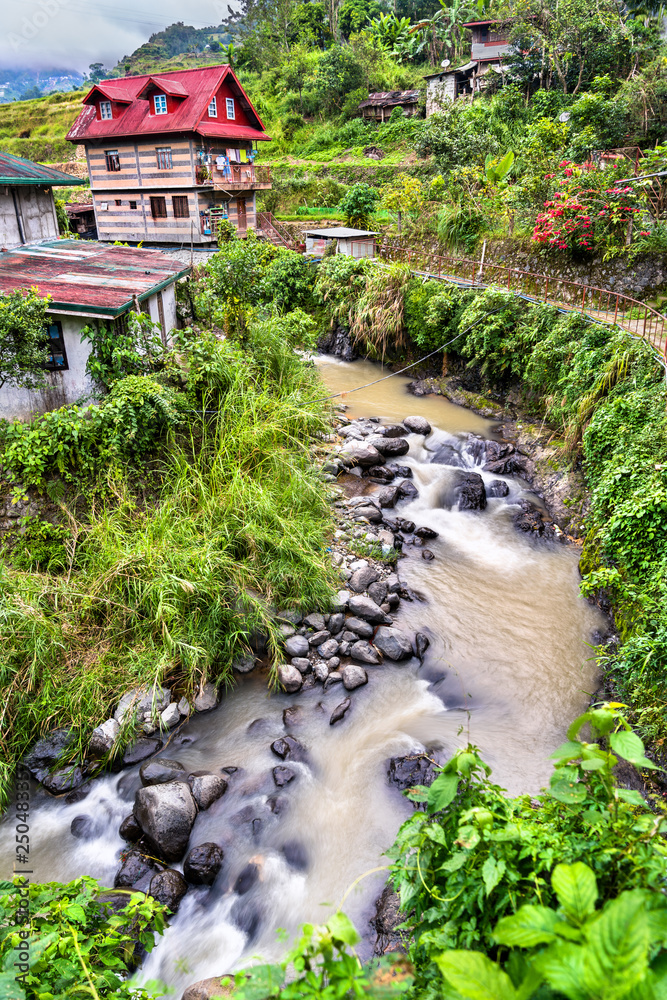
(16, 170)
(198, 86)
(85, 277)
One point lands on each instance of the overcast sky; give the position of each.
(74, 33)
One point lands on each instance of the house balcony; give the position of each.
(236, 177)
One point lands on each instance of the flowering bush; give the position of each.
(588, 210)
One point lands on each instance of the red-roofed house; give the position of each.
(171, 154)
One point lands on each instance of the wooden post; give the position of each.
(616, 309)
(546, 289)
(583, 298)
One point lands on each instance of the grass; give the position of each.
(172, 588)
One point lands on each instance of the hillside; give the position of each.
(36, 129)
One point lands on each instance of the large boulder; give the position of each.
(365, 653)
(360, 453)
(354, 677)
(143, 700)
(160, 770)
(393, 643)
(364, 607)
(415, 769)
(102, 739)
(166, 813)
(290, 678)
(135, 867)
(49, 749)
(208, 989)
(207, 788)
(206, 698)
(417, 425)
(140, 750)
(471, 492)
(203, 863)
(389, 447)
(362, 578)
(297, 645)
(168, 887)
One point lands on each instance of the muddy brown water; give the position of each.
(508, 667)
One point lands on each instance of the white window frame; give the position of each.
(213, 108)
(106, 111)
(231, 110)
(160, 104)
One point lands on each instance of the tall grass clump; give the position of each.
(172, 586)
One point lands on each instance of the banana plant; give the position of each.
(496, 170)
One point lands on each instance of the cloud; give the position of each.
(71, 34)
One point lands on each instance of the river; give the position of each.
(508, 668)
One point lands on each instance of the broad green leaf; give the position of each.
(576, 889)
(617, 953)
(341, 927)
(628, 745)
(442, 791)
(570, 792)
(505, 165)
(263, 981)
(475, 976)
(492, 872)
(529, 926)
(9, 988)
(436, 833)
(567, 751)
(630, 795)
(562, 965)
(455, 862)
(76, 913)
(593, 764)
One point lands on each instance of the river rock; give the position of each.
(360, 453)
(497, 488)
(381, 474)
(290, 678)
(365, 653)
(86, 828)
(414, 769)
(364, 607)
(296, 855)
(130, 830)
(471, 492)
(422, 642)
(377, 592)
(345, 646)
(206, 698)
(407, 490)
(388, 496)
(339, 711)
(428, 555)
(63, 779)
(328, 649)
(293, 716)
(206, 788)
(160, 769)
(336, 623)
(319, 637)
(141, 700)
(356, 628)
(368, 512)
(417, 425)
(140, 750)
(361, 579)
(288, 748)
(184, 706)
(171, 716)
(339, 603)
(166, 814)
(393, 583)
(353, 677)
(245, 664)
(404, 471)
(322, 669)
(529, 518)
(102, 739)
(248, 877)
(302, 664)
(203, 863)
(209, 989)
(393, 643)
(297, 645)
(389, 447)
(316, 621)
(335, 677)
(426, 533)
(49, 749)
(168, 887)
(134, 867)
(393, 430)
(283, 775)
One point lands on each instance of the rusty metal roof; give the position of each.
(16, 170)
(87, 278)
(383, 98)
(193, 87)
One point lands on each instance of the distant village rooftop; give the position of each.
(84, 278)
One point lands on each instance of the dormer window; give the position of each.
(213, 108)
(105, 110)
(231, 113)
(160, 104)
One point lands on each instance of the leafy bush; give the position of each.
(338, 73)
(288, 281)
(115, 353)
(359, 204)
(23, 339)
(40, 546)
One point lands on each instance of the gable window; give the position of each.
(105, 110)
(213, 108)
(164, 161)
(160, 104)
(159, 208)
(113, 159)
(180, 206)
(230, 108)
(55, 344)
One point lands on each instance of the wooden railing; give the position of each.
(600, 304)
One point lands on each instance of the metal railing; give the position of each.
(275, 231)
(600, 304)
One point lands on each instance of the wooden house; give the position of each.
(379, 106)
(490, 42)
(27, 208)
(171, 154)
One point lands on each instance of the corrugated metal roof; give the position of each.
(388, 97)
(340, 233)
(16, 170)
(85, 277)
(198, 86)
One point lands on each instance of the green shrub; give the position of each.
(359, 204)
(40, 546)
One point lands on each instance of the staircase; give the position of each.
(274, 232)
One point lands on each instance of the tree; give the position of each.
(296, 71)
(337, 74)
(23, 340)
(357, 14)
(404, 197)
(359, 204)
(97, 72)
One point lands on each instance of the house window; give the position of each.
(164, 161)
(133, 204)
(230, 108)
(105, 110)
(160, 104)
(159, 208)
(181, 207)
(213, 108)
(57, 360)
(118, 201)
(113, 159)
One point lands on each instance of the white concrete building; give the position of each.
(353, 242)
(87, 283)
(27, 208)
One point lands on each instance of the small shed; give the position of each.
(379, 105)
(81, 217)
(353, 242)
(27, 208)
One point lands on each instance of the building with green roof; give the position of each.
(27, 208)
